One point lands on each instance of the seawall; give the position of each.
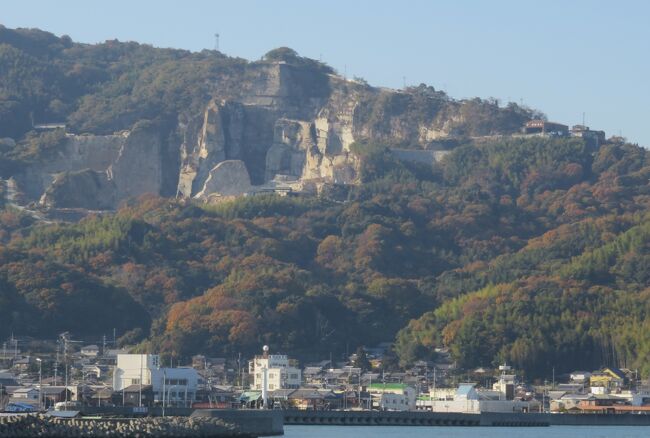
(410, 418)
(421, 418)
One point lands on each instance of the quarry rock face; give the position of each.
(228, 178)
(279, 126)
(85, 188)
(137, 169)
(97, 172)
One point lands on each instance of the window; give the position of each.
(272, 376)
(271, 386)
(135, 381)
(293, 376)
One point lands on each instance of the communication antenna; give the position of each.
(583, 119)
(404, 81)
(216, 42)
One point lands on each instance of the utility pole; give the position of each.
(140, 389)
(239, 374)
(56, 362)
(15, 341)
(40, 383)
(164, 383)
(66, 382)
(553, 387)
(359, 387)
(434, 382)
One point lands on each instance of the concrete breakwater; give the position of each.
(41, 425)
(254, 422)
(411, 418)
(423, 418)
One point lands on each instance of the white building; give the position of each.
(281, 375)
(468, 399)
(177, 386)
(392, 396)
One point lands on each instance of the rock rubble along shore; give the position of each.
(40, 425)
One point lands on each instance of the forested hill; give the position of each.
(533, 251)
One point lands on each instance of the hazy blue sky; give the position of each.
(562, 57)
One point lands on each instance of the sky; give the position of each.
(566, 58)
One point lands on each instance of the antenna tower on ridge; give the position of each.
(216, 42)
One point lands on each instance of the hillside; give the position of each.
(530, 250)
(136, 119)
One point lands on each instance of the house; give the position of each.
(138, 395)
(98, 371)
(306, 398)
(101, 397)
(55, 394)
(22, 363)
(609, 378)
(580, 376)
(90, 351)
(569, 402)
(7, 379)
(28, 393)
(313, 375)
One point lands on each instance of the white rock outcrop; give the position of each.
(228, 178)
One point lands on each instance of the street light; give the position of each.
(40, 384)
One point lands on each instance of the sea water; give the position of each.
(466, 432)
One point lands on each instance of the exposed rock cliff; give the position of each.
(85, 188)
(280, 123)
(228, 178)
(97, 172)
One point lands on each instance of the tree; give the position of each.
(361, 360)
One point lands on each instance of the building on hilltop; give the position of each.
(587, 134)
(545, 128)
